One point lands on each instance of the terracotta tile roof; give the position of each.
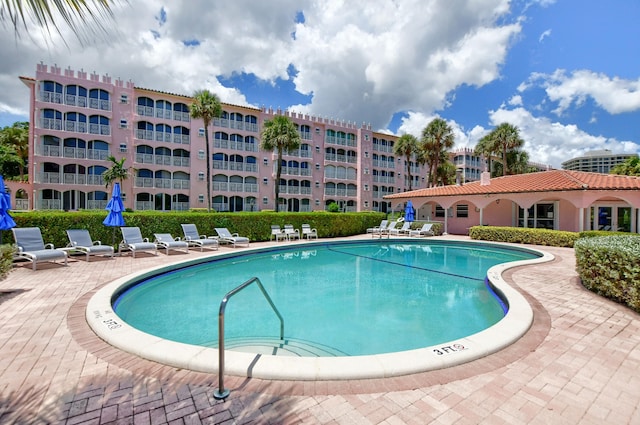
(544, 181)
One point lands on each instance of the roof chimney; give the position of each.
(458, 176)
(485, 178)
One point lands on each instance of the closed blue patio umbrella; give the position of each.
(6, 221)
(115, 208)
(409, 214)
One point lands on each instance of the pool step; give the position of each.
(278, 347)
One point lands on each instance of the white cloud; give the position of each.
(361, 60)
(550, 142)
(544, 35)
(613, 94)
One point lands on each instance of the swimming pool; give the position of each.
(429, 271)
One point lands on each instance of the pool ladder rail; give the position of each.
(222, 393)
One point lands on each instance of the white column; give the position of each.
(481, 216)
(581, 220)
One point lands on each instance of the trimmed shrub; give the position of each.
(6, 260)
(254, 225)
(610, 266)
(526, 236)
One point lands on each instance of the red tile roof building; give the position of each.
(556, 199)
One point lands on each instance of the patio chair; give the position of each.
(308, 232)
(384, 230)
(32, 248)
(406, 226)
(291, 232)
(193, 238)
(226, 236)
(377, 228)
(80, 240)
(277, 233)
(425, 230)
(168, 242)
(132, 240)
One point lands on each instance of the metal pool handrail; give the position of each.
(223, 393)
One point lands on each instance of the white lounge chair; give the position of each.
(233, 238)
(31, 247)
(406, 226)
(382, 224)
(291, 232)
(168, 242)
(308, 232)
(277, 233)
(193, 238)
(80, 240)
(425, 230)
(132, 239)
(385, 231)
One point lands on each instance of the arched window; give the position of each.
(99, 99)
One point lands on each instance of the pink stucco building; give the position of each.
(78, 119)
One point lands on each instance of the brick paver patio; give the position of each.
(579, 363)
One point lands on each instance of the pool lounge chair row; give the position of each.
(31, 246)
(388, 228)
(290, 233)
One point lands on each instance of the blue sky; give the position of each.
(566, 72)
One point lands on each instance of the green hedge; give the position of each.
(6, 259)
(255, 225)
(526, 236)
(610, 266)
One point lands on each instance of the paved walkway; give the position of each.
(579, 363)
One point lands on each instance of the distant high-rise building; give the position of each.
(600, 161)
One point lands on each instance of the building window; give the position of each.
(201, 199)
(539, 216)
(201, 132)
(265, 161)
(317, 130)
(123, 196)
(366, 204)
(366, 154)
(265, 200)
(439, 211)
(317, 201)
(123, 123)
(462, 210)
(318, 149)
(366, 187)
(201, 175)
(265, 181)
(123, 147)
(124, 98)
(366, 137)
(201, 154)
(317, 184)
(317, 166)
(366, 171)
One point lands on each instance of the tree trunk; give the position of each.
(278, 173)
(208, 153)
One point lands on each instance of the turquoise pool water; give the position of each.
(343, 299)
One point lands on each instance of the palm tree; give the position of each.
(506, 137)
(631, 167)
(117, 171)
(437, 137)
(407, 146)
(486, 148)
(74, 13)
(17, 137)
(279, 134)
(206, 105)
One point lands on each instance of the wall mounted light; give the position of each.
(497, 201)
